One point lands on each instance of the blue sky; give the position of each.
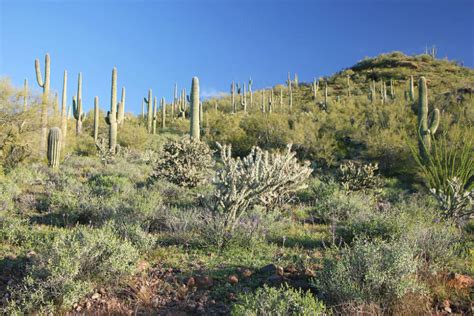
(157, 43)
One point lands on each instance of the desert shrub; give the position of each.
(355, 177)
(260, 178)
(375, 272)
(277, 301)
(186, 162)
(8, 190)
(448, 171)
(67, 267)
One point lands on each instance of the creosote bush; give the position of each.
(271, 301)
(186, 162)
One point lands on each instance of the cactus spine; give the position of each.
(195, 131)
(426, 130)
(77, 106)
(96, 119)
(121, 108)
(63, 110)
(412, 90)
(163, 112)
(111, 118)
(25, 95)
(44, 101)
(149, 117)
(54, 147)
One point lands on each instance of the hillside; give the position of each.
(355, 198)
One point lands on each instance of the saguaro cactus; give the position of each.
(232, 92)
(296, 80)
(77, 106)
(45, 99)
(244, 100)
(111, 118)
(315, 88)
(348, 78)
(25, 95)
(392, 92)
(121, 108)
(155, 116)
(412, 89)
(426, 129)
(96, 118)
(163, 112)
(63, 110)
(326, 95)
(263, 101)
(250, 92)
(270, 102)
(54, 147)
(56, 103)
(195, 131)
(149, 102)
(290, 94)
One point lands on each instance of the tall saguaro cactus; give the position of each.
(263, 101)
(25, 95)
(194, 130)
(155, 115)
(121, 108)
(77, 106)
(232, 92)
(315, 88)
(426, 130)
(163, 112)
(54, 147)
(412, 89)
(149, 102)
(244, 100)
(44, 100)
(96, 119)
(250, 92)
(63, 110)
(290, 93)
(111, 118)
(270, 102)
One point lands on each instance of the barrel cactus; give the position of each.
(54, 147)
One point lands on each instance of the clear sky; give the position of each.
(157, 43)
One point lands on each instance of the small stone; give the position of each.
(88, 305)
(233, 279)
(95, 296)
(102, 290)
(31, 254)
(309, 273)
(290, 269)
(190, 282)
(247, 273)
(279, 271)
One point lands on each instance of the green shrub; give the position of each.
(355, 177)
(278, 302)
(367, 272)
(186, 162)
(68, 266)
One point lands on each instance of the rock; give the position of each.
(268, 269)
(246, 273)
(203, 282)
(233, 279)
(279, 271)
(446, 306)
(274, 279)
(309, 273)
(95, 296)
(460, 281)
(190, 282)
(102, 291)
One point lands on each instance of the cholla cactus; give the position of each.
(187, 162)
(54, 147)
(359, 177)
(260, 178)
(425, 130)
